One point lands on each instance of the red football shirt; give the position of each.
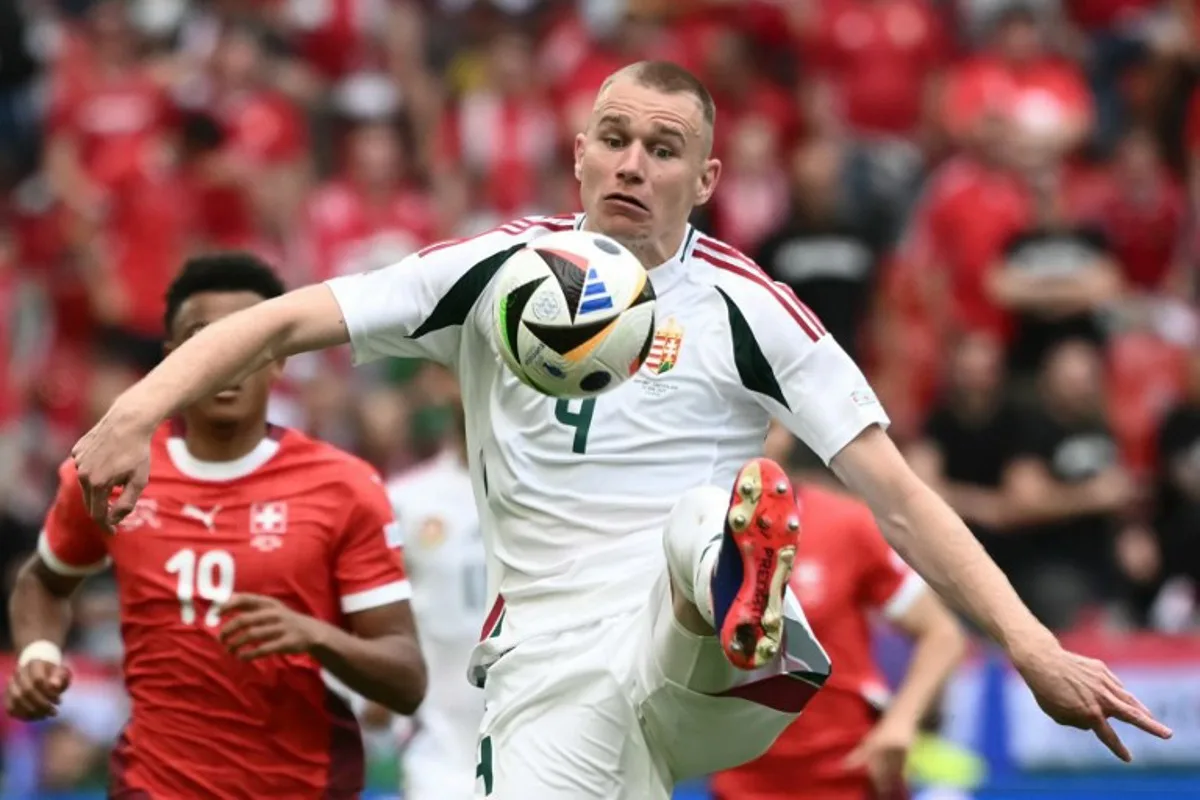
(844, 573)
(878, 56)
(295, 519)
(347, 233)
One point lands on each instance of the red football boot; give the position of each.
(762, 529)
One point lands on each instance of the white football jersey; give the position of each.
(573, 494)
(444, 559)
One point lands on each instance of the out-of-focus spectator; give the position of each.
(1055, 276)
(1177, 519)
(1066, 492)
(1142, 214)
(880, 63)
(747, 99)
(502, 133)
(755, 196)
(1018, 75)
(373, 213)
(105, 105)
(968, 442)
(251, 177)
(827, 250)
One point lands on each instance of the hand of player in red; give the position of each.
(1082, 693)
(115, 453)
(35, 690)
(884, 753)
(263, 626)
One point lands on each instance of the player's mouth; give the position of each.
(626, 203)
(228, 393)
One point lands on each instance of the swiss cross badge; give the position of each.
(664, 350)
(268, 523)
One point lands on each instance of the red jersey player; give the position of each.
(844, 746)
(257, 562)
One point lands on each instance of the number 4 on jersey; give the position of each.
(580, 420)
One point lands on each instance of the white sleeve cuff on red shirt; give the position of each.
(392, 592)
(903, 598)
(60, 567)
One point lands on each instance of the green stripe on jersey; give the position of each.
(752, 366)
(456, 304)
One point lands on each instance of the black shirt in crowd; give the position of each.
(1178, 512)
(975, 452)
(1052, 252)
(830, 266)
(1073, 454)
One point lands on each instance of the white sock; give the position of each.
(693, 543)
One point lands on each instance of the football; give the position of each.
(574, 314)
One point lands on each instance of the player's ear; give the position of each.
(706, 184)
(580, 143)
(275, 370)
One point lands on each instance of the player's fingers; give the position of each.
(244, 601)
(1136, 716)
(124, 505)
(857, 758)
(1106, 734)
(97, 502)
(1116, 688)
(30, 700)
(246, 619)
(246, 627)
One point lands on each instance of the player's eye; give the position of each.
(662, 151)
(614, 142)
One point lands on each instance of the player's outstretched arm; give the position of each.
(116, 451)
(40, 614)
(1073, 690)
(378, 657)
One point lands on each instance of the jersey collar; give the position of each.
(199, 470)
(671, 271)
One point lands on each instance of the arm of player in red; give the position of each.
(377, 654)
(889, 585)
(70, 548)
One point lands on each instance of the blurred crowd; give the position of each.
(992, 204)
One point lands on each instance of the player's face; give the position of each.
(241, 402)
(643, 166)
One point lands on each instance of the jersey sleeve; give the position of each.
(71, 544)
(886, 583)
(369, 568)
(789, 363)
(420, 306)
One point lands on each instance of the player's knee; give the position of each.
(698, 511)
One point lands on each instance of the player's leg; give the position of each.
(560, 724)
(730, 557)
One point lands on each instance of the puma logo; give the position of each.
(206, 518)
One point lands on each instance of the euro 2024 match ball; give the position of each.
(574, 314)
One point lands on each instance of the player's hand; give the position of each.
(263, 626)
(884, 753)
(1082, 693)
(114, 454)
(35, 690)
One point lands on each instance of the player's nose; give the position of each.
(631, 169)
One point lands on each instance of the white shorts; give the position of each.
(624, 708)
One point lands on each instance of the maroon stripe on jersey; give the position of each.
(723, 264)
(511, 228)
(493, 616)
(118, 773)
(347, 763)
(780, 290)
(780, 692)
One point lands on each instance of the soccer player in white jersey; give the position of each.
(444, 561)
(603, 677)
